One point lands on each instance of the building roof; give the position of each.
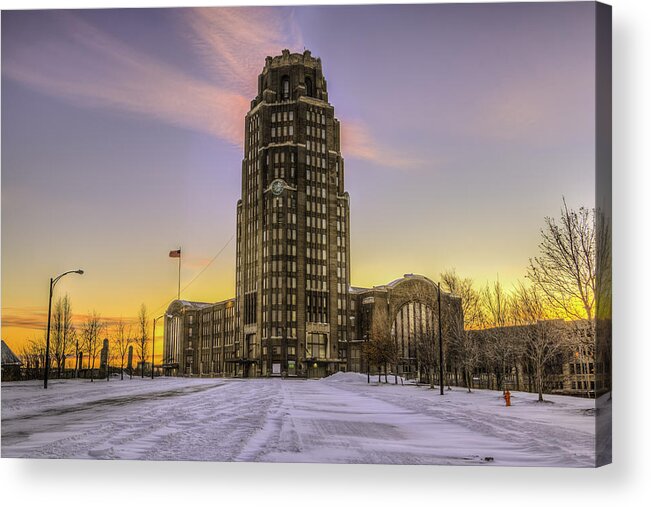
(196, 305)
(408, 276)
(8, 357)
(179, 304)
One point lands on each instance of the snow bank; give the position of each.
(345, 377)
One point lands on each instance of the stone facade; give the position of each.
(294, 312)
(292, 223)
(408, 306)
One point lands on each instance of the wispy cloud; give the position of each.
(233, 42)
(358, 142)
(35, 318)
(89, 67)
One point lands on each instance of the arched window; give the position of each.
(414, 328)
(285, 88)
(308, 87)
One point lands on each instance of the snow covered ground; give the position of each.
(340, 419)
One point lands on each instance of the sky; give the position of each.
(463, 126)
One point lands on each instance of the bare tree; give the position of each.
(574, 282)
(56, 339)
(122, 340)
(33, 356)
(381, 348)
(428, 356)
(142, 349)
(543, 340)
(63, 333)
(500, 348)
(565, 269)
(90, 333)
(463, 347)
(426, 329)
(68, 329)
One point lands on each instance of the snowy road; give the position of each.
(337, 420)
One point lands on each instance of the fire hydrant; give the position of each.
(507, 398)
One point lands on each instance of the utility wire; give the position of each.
(198, 274)
(208, 265)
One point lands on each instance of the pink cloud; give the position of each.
(233, 42)
(358, 142)
(91, 68)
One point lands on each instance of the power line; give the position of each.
(198, 274)
(208, 265)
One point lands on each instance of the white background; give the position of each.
(626, 482)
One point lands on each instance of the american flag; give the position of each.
(175, 253)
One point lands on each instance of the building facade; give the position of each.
(294, 312)
(574, 370)
(292, 223)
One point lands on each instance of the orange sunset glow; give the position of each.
(122, 138)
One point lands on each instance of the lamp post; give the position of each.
(368, 360)
(153, 341)
(53, 282)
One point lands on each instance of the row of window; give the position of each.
(315, 222)
(318, 207)
(276, 282)
(279, 249)
(277, 266)
(316, 132)
(316, 269)
(316, 176)
(284, 131)
(277, 234)
(313, 237)
(315, 146)
(316, 117)
(277, 298)
(316, 253)
(319, 162)
(282, 116)
(318, 285)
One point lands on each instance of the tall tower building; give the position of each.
(295, 312)
(293, 240)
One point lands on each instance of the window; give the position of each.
(316, 345)
(285, 88)
(308, 87)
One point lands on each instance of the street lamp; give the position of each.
(153, 341)
(53, 282)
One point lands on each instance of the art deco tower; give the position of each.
(293, 240)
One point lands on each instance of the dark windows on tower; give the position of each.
(285, 88)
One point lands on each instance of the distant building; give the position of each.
(294, 309)
(574, 370)
(10, 363)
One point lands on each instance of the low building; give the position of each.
(201, 339)
(11, 364)
(572, 371)
(408, 308)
